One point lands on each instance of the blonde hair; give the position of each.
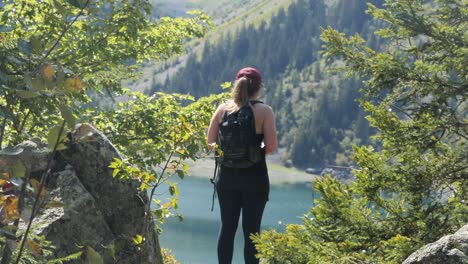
(243, 90)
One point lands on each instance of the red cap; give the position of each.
(250, 73)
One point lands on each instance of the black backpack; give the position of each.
(237, 142)
(237, 138)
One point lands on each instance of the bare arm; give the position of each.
(269, 132)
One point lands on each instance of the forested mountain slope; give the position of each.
(317, 115)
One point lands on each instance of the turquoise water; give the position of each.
(193, 241)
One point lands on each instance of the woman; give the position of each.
(243, 189)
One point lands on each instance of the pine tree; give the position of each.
(413, 189)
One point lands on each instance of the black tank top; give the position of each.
(254, 178)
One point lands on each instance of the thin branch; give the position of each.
(22, 124)
(2, 131)
(41, 186)
(65, 31)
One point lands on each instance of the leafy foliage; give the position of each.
(168, 257)
(412, 190)
(55, 56)
(50, 64)
(157, 134)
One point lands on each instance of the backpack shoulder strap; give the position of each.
(253, 102)
(224, 118)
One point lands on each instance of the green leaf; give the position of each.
(26, 94)
(60, 75)
(138, 239)
(36, 44)
(18, 169)
(182, 118)
(181, 174)
(116, 163)
(93, 257)
(226, 85)
(185, 168)
(67, 114)
(53, 136)
(38, 84)
(60, 8)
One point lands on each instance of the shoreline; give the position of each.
(278, 174)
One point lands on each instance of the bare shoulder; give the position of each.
(220, 111)
(264, 108)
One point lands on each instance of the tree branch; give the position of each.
(65, 31)
(22, 124)
(2, 131)
(41, 186)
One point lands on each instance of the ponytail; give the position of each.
(240, 94)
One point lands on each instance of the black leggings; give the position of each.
(231, 203)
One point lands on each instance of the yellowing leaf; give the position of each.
(73, 84)
(36, 184)
(54, 204)
(10, 203)
(6, 175)
(35, 248)
(6, 185)
(77, 83)
(47, 72)
(180, 151)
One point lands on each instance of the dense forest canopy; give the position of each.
(317, 114)
(413, 189)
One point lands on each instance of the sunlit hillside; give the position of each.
(227, 16)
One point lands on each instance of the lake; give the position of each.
(193, 241)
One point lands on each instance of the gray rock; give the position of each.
(450, 249)
(341, 173)
(86, 206)
(73, 218)
(32, 154)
